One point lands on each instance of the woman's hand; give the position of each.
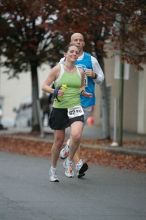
(60, 93)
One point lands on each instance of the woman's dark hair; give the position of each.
(68, 46)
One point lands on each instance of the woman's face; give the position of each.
(72, 53)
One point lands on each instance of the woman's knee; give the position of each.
(59, 140)
(76, 136)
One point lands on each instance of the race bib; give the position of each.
(75, 111)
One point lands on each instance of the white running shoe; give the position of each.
(64, 152)
(81, 168)
(68, 166)
(64, 164)
(53, 176)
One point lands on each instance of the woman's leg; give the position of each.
(59, 136)
(75, 137)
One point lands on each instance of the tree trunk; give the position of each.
(35, 97)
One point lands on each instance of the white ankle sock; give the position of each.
(53, 169)
(68, 161)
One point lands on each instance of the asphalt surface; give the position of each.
(104, 193)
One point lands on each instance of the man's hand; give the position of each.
(90, 73)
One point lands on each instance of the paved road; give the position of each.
(105, 193)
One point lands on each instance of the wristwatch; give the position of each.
(94, 76)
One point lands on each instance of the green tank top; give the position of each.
(72, 82)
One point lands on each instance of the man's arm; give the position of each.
(97, 70)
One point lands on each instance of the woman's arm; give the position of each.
(53, 74)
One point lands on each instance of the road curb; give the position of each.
(117, 149)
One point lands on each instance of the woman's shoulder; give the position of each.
(56, 69)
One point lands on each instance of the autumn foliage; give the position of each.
(32, 145)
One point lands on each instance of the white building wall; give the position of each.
(134, 112)
(15, 91)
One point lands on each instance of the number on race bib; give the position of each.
(75, 112)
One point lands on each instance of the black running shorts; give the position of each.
(59, 119)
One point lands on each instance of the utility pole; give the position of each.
(120, 104)
(1, 100)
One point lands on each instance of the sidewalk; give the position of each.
(92, 138)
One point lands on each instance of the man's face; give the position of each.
(78, 40)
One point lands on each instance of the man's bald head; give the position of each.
(78, 40)
(76, 35)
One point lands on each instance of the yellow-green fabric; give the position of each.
(71, 97)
